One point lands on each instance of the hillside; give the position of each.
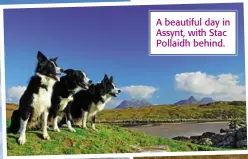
(133, 103)
(218, 110)
(9, 109)
(108, 139)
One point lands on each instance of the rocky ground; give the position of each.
(234, 137)
(158, 148)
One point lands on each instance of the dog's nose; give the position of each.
(90, 82)
(119, 91)
(61, 70)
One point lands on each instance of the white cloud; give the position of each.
(220, 87)
(139, 91)
(15, 93)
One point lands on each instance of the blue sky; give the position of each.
(114, 40)
(52, 1)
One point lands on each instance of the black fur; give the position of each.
(85, 99)
(46, 68)
(15, 122)
(66, 87)
(25, 109)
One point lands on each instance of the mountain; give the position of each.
(206, 100)
(193, 101)
(190, 101)
(133, 103)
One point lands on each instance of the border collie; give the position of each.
(87, 103)
(34, 104)
(63, 93)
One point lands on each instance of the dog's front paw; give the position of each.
(95, 129)
(22, 140)
(72, 130)
(85, 127)
(46, 137)
(56, 129)
(70, 98)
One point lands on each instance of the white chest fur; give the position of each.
(64, 102)
(95, 108)
(42, 100)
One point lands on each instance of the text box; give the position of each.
(192, 33)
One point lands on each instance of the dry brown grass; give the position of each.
(198, 157)
(9, 110)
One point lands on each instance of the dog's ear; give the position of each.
(69, 72)
(54, 59)
(41, 57)
(111, 79)
(105, 77)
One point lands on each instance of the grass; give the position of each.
(198, 157)
(108, 139)
(114, 139)
(164, 112)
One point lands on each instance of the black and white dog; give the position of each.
(36, 100)
(63, 93)
(87, 103)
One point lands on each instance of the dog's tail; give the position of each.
(15, 122)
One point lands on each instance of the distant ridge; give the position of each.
(192, 101)
(206, 100)
(133, 103)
